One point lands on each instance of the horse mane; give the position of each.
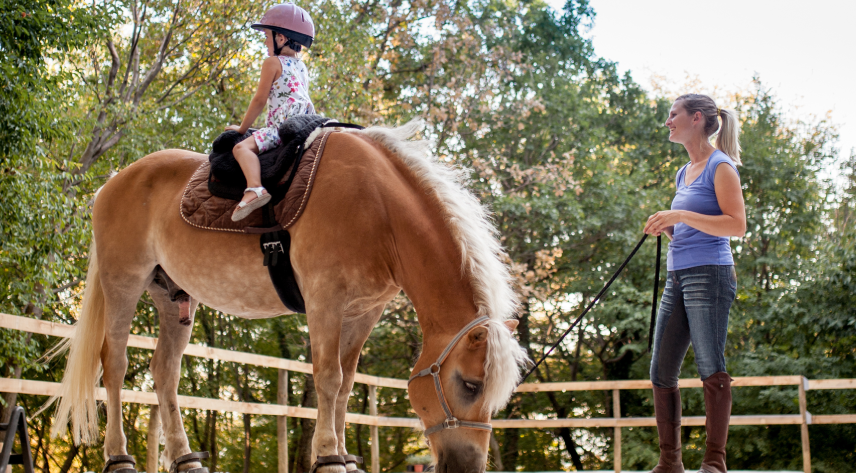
(482, 255)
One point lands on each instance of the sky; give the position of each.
(803, 52)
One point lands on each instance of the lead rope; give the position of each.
(654, 297)
(602, 291)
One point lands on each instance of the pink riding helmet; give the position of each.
(289, 20)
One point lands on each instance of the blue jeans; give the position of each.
(694, 308)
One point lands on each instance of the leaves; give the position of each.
(570, 156)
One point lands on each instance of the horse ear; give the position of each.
(477, 338)
(512, 324)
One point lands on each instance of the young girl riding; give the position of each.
(283, 85)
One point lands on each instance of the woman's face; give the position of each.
(682, 125)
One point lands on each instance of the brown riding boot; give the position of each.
(667, 408)
(717, 408)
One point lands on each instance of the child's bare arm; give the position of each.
(270, 70)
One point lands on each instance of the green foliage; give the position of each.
(570, 156)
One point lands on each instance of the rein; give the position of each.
(602, 291)
(451, 421)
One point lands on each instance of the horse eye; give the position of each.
(472, 387)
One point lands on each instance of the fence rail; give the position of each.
(281, 410)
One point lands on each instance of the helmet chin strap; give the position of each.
(277, 50)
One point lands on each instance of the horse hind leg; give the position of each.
(121, 294)
(175, 311)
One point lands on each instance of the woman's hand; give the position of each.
(663, 222)
(235, 128)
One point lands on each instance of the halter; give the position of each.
(451, 421)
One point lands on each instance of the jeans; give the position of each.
(694, 308)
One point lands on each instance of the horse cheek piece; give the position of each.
(451, 421)
(383, 217)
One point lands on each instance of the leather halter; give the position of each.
(451, 421)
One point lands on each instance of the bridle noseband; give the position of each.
(451, 421)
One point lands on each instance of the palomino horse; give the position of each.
(383, 217)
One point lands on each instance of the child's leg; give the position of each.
(246, 153)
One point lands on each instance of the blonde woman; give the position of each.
(701, 285)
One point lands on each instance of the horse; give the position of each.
(384, 216)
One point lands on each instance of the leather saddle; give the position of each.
(212, 194)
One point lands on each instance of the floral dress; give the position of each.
(289, 96)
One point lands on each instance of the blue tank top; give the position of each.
(689, 247)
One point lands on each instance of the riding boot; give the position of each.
(717, 408)
(667, 408)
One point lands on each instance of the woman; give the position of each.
(707, 210)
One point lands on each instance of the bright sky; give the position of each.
(805, 52)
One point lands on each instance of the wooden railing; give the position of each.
(803, 419)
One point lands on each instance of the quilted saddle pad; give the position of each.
(203, 210)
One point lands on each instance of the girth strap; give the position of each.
(451, 421)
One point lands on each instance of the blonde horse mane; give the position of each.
(482, 255)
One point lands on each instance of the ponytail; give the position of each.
(728, 138)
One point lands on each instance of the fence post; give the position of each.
(805, 420)
(616, 413)
(153, 439)
(374, 434)
(282, 422)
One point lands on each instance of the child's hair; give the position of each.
(728, 139)
(289, 43)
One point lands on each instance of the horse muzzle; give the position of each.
(461, 459)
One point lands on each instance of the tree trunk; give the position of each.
(571, 447)
(36, 311)
(10, 398)
(303, 460)
(510, 453)
(247, 446)
(495, 453)
(69, 458)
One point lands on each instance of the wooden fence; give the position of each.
(283, 411)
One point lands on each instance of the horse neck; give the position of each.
(429, 271)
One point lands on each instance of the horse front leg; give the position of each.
(355, 332)
(176, 325)
(325, 327)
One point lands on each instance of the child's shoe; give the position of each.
(244, 209)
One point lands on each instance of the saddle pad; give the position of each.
(203, 210)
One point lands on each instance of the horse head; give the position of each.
(459, 390)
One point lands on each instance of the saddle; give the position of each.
(288, 173)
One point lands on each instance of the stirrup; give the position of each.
(244, 209)
(353, 459)
(116, 459)
(328, 460)
(189, 458)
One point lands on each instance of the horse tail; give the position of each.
(83, 369)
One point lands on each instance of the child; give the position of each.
(284, 86)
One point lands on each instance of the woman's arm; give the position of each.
(729, 195)
(270, 70)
